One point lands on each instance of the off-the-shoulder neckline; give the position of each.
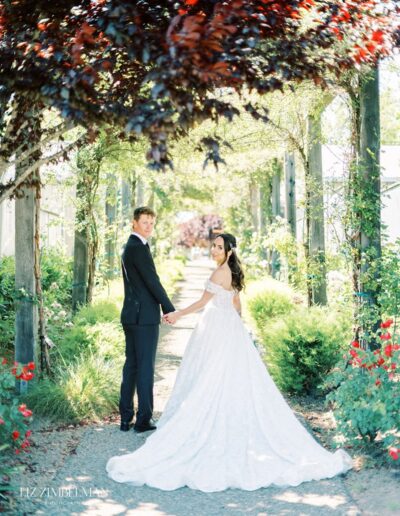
(220, 286)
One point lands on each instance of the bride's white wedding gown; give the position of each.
(226, 424)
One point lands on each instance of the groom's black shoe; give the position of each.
(125, 426)
(145, 428)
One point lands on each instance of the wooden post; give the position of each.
(370, 237)
(26, 307)
(43, 340)
(26, 313)
(317, 265)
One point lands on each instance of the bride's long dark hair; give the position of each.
(233, 261)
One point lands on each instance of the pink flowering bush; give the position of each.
(366, 393)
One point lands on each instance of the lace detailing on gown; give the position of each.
(223, 298)
(226, 424)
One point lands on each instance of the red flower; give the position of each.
(17, 451)
(31, 366)
(394, 453)
(378, 36)
(385, 336)
(388, 350)
(15, 435)
(26, 376)
(28, 433)
(377, 382)
(387, 324)
(353, 353)
(14, 371)
(25, 411)
(4, 361)
(355, 344)
(1, 421)
(25, 444)
(380, 361)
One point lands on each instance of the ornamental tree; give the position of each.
(154, 67)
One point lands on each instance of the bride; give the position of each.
(226, 425)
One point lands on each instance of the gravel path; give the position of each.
(76, 482)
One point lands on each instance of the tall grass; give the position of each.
(84, 389)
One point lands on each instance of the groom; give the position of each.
(140, 318)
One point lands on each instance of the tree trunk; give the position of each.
(81, 269)
(276, 210)
(139, 197)
(81, 258)
(317, 260)
(290, 194)
(111, 229)
(86, 236)
(93, 253)
(126, 202)
(370, 237)
(255, 205)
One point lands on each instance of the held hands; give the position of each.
(171, 318)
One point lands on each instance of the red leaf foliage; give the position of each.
(94, 60)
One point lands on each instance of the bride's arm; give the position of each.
(194, 307)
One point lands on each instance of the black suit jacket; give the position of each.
(143, 292)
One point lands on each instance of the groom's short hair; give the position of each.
(143, 210)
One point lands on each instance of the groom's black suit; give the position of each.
(140, 318)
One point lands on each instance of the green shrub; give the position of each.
(303, 346)
(101, 311)
(86, 388)
(7, 294)
(268, 305)
(57, 277)
(105, 339)
(76, 335)
(57, 289)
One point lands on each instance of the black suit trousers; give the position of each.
(138, 372)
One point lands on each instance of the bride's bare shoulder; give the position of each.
(221, 276)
